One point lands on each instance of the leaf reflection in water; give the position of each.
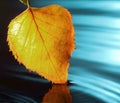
(58, 94)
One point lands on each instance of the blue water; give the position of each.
(94, 73)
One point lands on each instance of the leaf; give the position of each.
(42, 39)
(58, 94)
(24, 1)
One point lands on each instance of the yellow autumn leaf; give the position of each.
(42, 39)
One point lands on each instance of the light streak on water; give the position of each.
(95, 64)
(98, 85)
(15, 98)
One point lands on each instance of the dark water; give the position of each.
(94, 74)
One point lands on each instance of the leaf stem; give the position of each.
(28, 4)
